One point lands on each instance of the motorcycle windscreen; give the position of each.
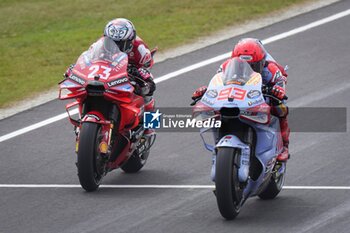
(104, 49)
(237, 72)
(104, 59)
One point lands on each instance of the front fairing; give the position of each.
(104, 63)
(232, 95)
(239, 87)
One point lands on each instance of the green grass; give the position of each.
(40, 38)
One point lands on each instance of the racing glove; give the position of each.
(144, 73)
(278, 92)
(199, 92)
(146, 80)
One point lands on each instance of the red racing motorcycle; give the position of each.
(109, 127)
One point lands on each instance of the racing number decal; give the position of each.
(106, 72)
(238, 94)
(96, 68)
(224, 94)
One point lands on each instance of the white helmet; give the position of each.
(122, 32)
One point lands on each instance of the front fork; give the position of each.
(104, 146)
(95, 117)
(245, 148)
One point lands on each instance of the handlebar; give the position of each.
(195, 101)
(274, 98)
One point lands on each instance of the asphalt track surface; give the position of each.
(318, 77)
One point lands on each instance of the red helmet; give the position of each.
(252, 51)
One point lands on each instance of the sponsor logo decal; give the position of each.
(246, 57)
(77, 79)
(240, 82)
(232, 103)
(253, 94)
(117, 82)
(207, 100)
(254, 102)
(254, 80)
(119, 65)
(120, 57)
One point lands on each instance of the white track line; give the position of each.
(108, 186)
(161, 186)
(265, 41)
(193, 67)
(37, 125)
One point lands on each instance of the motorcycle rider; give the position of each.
(273, 75)
(123, 33)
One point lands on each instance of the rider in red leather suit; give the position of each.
(123, 33)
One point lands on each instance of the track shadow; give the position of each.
(285, 208)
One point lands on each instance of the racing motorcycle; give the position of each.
(109, 130)
(247, 143)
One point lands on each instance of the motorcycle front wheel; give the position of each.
(228, 191)
(91, 166)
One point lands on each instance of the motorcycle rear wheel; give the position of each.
(135, 163)
(274, 187)
(91, 167)
(228, 188)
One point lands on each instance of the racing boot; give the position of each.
(285, 131)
